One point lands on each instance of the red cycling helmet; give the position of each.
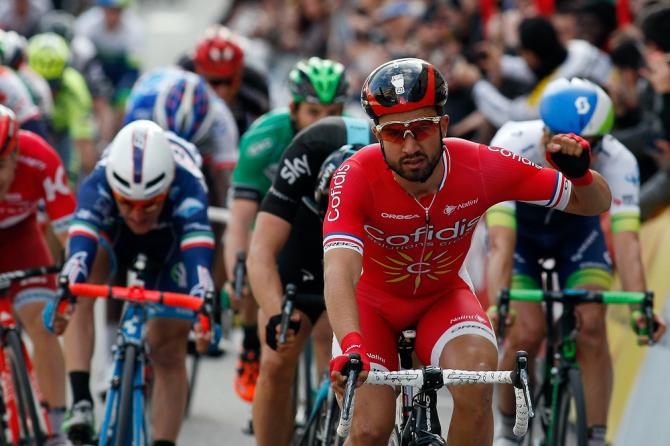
(403, 85)
(9, 132)
(218, 54)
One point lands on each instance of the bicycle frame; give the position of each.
(132, 331)
(10, 418)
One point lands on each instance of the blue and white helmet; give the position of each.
(184, 107)
(576, 106)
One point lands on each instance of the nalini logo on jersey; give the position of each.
(515, 156)
(423, 234)
(449, 209)
(336, 190)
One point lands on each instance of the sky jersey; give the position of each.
(39, 176)
(414, 250)
(217, 142)
(183, 231)
(291, 196)
(612, 160)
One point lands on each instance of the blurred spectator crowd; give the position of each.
(497, 55)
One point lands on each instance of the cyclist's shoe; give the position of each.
(247, 374)
(79, 423)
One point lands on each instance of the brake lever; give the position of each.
(287, 309)
(521, 380)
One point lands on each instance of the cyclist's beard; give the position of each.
(417, 176)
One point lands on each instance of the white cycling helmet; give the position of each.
(139, 163)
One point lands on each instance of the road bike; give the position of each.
(24, 419)
(559, 399)
(124, 421)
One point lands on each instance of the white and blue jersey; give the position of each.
(216, 139)
(179, 249)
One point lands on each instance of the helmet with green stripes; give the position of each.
(320, 81)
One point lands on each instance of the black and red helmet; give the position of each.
(218, 54)
(403, 85)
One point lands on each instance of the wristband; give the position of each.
(351, 341)
(584, 180)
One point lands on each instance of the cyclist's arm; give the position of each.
(629, 260)
(242, 214)
(502, 240)
(197, 238)
(592, 199)
(269, 237)
(342, 271)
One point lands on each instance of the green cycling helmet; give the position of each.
(320, 81)
(48, 55)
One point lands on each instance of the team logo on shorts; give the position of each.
(406, 267)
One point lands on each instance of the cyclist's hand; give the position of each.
(339, 365)
(273, 329)
(639, 325)
(571, 154)
(235, 300)
(56, 317)
(492, 313)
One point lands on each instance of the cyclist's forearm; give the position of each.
(629, 261)
(242, 214)
(342, 270)
(592, 199)
(500, 260)
(268, 239)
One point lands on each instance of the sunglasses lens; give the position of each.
(394, 133)
(420, 129)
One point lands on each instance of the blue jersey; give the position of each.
(217, 137)
(182, 244)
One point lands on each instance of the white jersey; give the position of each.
(15, 95)
(38, 88)
(613, 161)
(583, 60)
(126, 39)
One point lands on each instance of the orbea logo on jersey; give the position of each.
(423, 234)
(449, 209)
(399, 217)
(336, 190)
(515, 156)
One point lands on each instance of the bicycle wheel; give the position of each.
(28, 411)
(571, 427)
(123, 422)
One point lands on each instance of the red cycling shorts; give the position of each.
(23, 246)
(437, 320)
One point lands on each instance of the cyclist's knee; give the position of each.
(277, 369)
(526, 335)
(370, 432)
(592, 330)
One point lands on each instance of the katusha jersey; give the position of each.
(413, 250)
(39, 176)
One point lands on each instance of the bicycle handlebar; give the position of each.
(578, 296)
(137, 294)
(7, 278)
(346, 417)
(239, 272)
(426, 376)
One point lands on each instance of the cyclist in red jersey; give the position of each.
(399, 223)
(30, 172)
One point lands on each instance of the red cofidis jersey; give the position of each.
(412, 252)
(39, 175)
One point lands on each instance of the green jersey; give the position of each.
(261, 148)
(73, 107)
